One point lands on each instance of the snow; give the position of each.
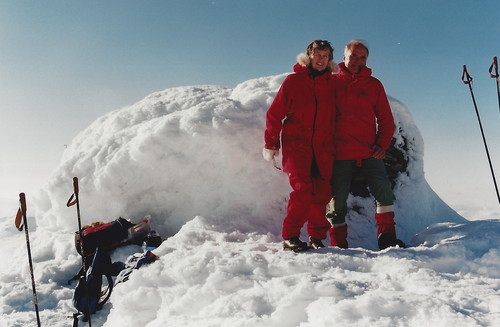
(190, 158)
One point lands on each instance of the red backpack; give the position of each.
(108, 236)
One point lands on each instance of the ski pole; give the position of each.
(467, 79)
(494, 66)
(21, 222)
(70, 203)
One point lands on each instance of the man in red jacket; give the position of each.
(364, 130)
(303, 114)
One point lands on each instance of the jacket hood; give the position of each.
(304, 61)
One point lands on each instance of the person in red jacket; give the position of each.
(363, 132)
(302, 115)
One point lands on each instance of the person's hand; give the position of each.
(269, 154)
(378, 152)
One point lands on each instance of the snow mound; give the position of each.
(174, 155)
(190, 151)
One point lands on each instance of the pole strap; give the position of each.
(72, 202)
(21, 212)
(466, 78)
(494, 66)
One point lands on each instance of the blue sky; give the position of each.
(65, 63)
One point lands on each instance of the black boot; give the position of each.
(315, 243)
(294, 244)
(387, 240)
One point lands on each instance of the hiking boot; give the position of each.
(294, 244)
(315, 243)
(386, 240)
(386, 231)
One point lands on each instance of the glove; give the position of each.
(270, 154)
(378, 152)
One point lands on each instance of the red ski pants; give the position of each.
(307, 203)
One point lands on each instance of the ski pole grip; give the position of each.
(494, 66)
(22, 201)
(75, 185)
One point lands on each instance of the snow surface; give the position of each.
(190, 158)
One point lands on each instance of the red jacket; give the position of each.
(364, 116)
(303, 111)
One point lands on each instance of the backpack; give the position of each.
(108, 236)
(90, 295)
(97, 240)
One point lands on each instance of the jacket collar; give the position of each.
(363, 73)
(300, 69)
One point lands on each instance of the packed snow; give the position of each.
(190, 159)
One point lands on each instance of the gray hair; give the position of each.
(354, 43)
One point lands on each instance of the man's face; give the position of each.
(319, 59)
(355, 59)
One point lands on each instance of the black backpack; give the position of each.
(95, 287)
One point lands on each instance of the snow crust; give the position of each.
(190, 159)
